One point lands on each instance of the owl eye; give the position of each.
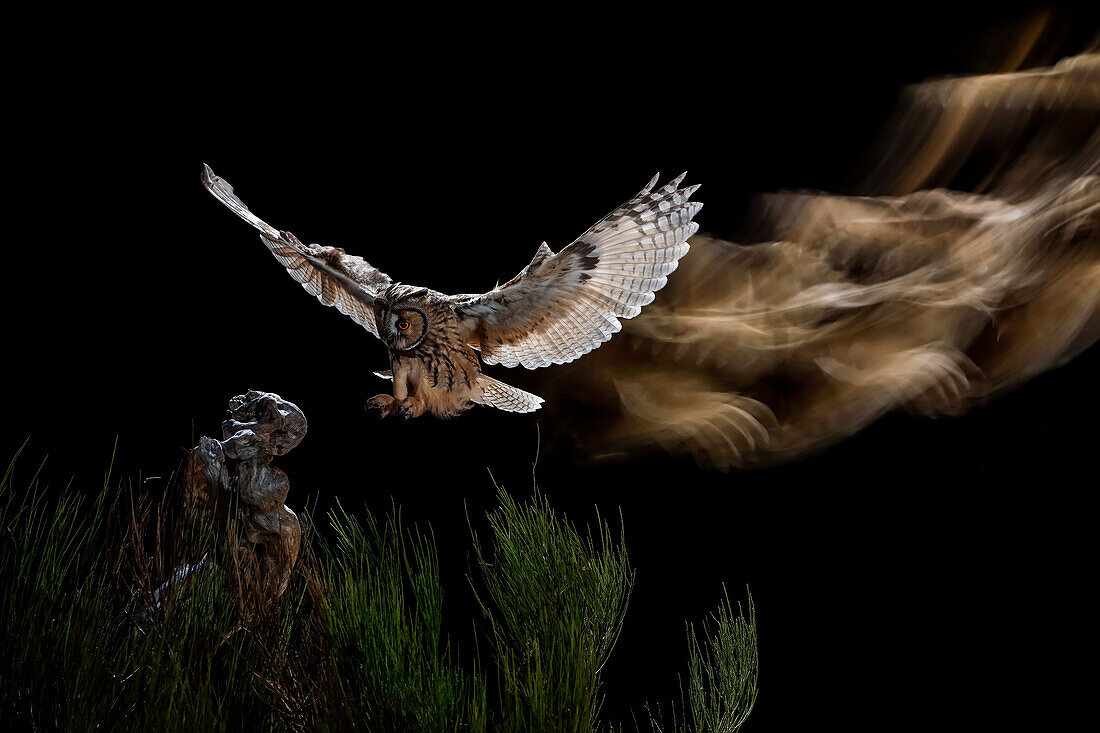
(402, 324)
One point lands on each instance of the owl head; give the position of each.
(401, 316)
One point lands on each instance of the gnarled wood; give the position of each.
(233, 483)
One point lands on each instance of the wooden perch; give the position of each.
(232, 484)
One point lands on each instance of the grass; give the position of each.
(116, 613)
(383, 614)
(554, 602)
(723, 672)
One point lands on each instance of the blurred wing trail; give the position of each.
(920, 298)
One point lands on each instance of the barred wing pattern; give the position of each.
(506, 397)
(564, 305)
(338, 279)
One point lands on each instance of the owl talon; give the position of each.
(409, 408)
(383, 403)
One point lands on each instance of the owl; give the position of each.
(558, 308)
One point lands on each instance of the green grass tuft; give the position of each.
(383, 613)
(116, 612)
(722, 673)
(554, 600)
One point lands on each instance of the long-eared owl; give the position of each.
(559, 307)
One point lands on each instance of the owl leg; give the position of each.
(384, 403)
(410, 407)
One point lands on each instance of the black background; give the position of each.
(924, 573)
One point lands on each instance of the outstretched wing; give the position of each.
(564, 305)
(336, 278)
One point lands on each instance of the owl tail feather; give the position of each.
(496, 394)
(506, 397)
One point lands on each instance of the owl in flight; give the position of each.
(556, 309)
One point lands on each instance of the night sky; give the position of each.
(925, 572)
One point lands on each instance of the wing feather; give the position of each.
(347, 282)
(564, 305)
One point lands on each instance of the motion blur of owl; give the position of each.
(560, 307)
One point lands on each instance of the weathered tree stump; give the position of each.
(231, 484)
